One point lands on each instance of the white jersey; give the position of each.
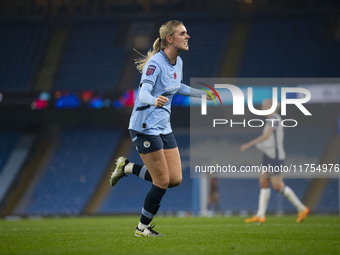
(273, 146)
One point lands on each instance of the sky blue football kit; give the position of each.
(149, 126)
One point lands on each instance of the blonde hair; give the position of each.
(167, 29)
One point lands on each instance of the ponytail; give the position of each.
(140, 62)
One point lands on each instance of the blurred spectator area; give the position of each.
(92, 60)
(8, 141)
(96, 51)
(79, 161)
(300, 45)
(65, 7)
(21, 49)
(71, 7)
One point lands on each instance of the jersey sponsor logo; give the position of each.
(175, 76)
(151, 69)
(146, 144)
(172, 89)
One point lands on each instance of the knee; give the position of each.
(162, 182)
(278, 187)
(264, 183)
(174, 182)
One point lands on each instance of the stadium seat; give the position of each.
(21, 49)
(77, 165)
(92, 59)
(291, 46)
(8, 141)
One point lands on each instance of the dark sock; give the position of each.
(152, 203)
(141, 172)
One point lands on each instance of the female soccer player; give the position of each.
(271, 144)
(149, 126)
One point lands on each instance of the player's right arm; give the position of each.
(148, 81)
(146, 97)
(257, 140)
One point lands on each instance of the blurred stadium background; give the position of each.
(67, 84)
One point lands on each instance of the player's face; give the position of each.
(180, 38)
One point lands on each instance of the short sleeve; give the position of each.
(150, 73)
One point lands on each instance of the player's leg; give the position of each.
(213, 198)
(165, 169)
(279, 186)
(124, 167)
(264, 197)
(173, 161)
(277, 182)
(158, 169)
(144, 144)
(150, 148)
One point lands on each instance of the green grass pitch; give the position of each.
(193, 235)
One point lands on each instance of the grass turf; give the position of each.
(218, 235)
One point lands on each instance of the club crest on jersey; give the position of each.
(150, 70)
(175, 76)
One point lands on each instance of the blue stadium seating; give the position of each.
(92, 59)
(291, 46)
(207, 45)
(8, 141)
(298, 142)
(329, 201)
(21, 50)
(238, 194)
(74, 171)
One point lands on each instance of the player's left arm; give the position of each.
(258, 139)
(186, 90)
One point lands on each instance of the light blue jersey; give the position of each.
(166, 80)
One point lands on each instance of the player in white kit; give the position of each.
(271, 144)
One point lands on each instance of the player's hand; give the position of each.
(244, 147)
(209, 97)
(161, 101)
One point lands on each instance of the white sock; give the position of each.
(128, 168)
(263, 202)
(142, 226)
(291, 196)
